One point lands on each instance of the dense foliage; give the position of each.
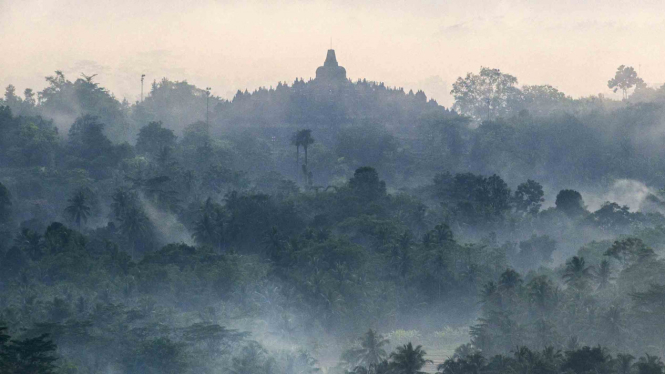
(136, 238)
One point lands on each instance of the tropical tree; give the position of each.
(297, 141)
(650, 365)
(30, 242)
(528, 197)
(306, 140)
(205, 230)
(624, 363)
(484, 95)
(603, 275)
(78, 209)
(136, 227)
(5, 204)
(570, 202)
(624, 79)
(122, 201)
(369, 352)
(408, 359)
(576, 273)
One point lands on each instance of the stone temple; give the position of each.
(331, 71)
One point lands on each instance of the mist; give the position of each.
(338, 188)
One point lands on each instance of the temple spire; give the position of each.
(331, 71)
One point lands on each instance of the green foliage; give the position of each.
(485, 95)
(570, 202)
(625, 79)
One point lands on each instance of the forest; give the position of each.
(333, 226)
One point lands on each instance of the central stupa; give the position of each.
(331, 71)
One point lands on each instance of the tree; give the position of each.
(650, 365)
(576, 273)
(489, 93)
(78, 209)
(153, 138)
(87, 140)
(408, 360)
(587, 360)
(31, 243)
(136, 227)
(570, 202)
(5, 204)
(28, 356)
(305, 140)
(370, 352)
(209, 229)
(297, 141)
(624, 79)
(366, 184)
(122, 201)
(528, 197)
(629, 251)
(624, 363)
(604, 275)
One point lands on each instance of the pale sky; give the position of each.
(230, 45)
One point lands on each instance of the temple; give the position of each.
(331, 71)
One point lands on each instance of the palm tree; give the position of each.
(371, 350)
(122, 201)
(295, 140)
(408, 360)
(135, 226)
(78, 210)
(624, 363)
(650, 365)
(577, 273)
(305, 140)
(603, 275)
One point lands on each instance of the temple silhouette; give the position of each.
(331, 71)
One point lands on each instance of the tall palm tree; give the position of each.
(577, 273)
(624, 363)
(603, 275)
(371, 350)
(122, 201)
(295, 140)
(135, 226)
(408, 360)
(306, 140)
(78, 210)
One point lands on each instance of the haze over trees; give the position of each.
(401, 237)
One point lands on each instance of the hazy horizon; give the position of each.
(230, 45)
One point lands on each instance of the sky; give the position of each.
(575, 46)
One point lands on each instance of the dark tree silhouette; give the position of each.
(78, 209)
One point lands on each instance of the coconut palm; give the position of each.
(136, 227)
(78, 210)
(603, 275)
(577, 274)
(295, 140)
(650, 365)
(370, 352)
(408, 360)
(305, 140)
(624, 363)
(122, 201)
